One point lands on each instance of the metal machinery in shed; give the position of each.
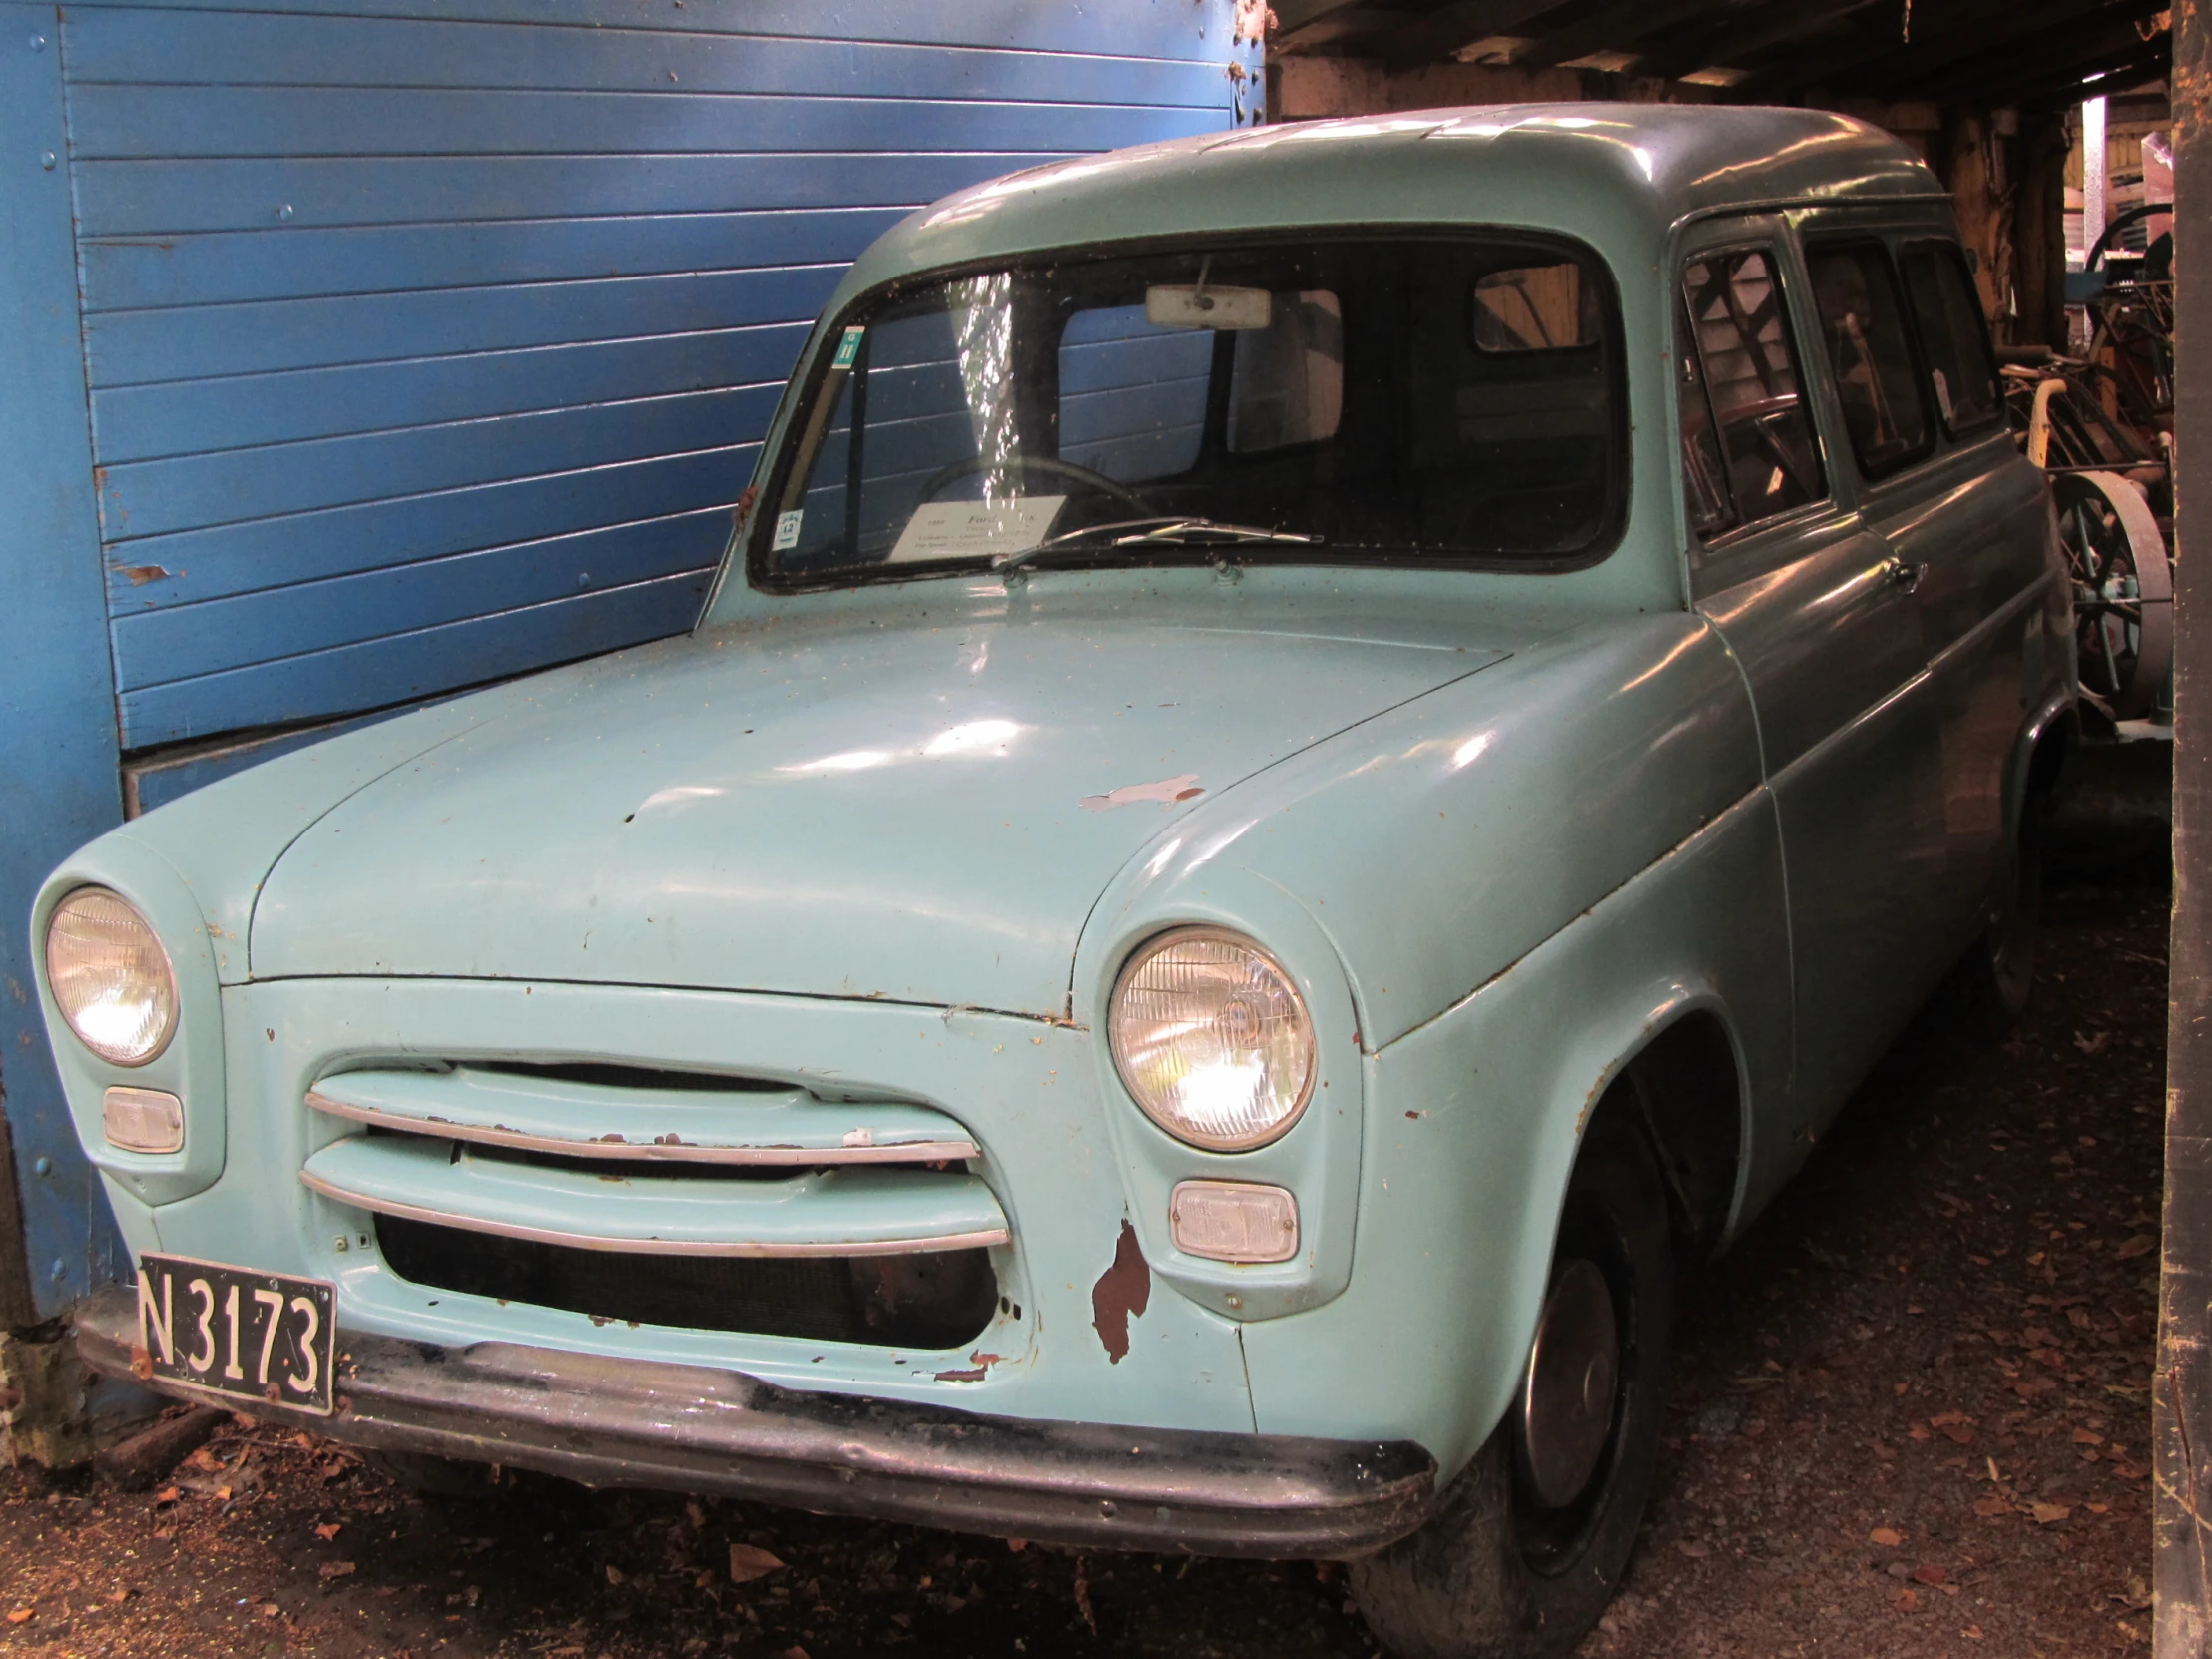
(354, 352)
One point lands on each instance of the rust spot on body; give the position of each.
(1122, 1293)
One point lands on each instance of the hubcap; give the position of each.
(1568, 1397)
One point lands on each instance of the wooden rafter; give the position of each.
(1615, 27)
(1445, 31)
(1884, 62)
(1758, 29)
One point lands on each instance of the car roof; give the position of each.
(1621, 173)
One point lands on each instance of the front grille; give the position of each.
(936, 1299)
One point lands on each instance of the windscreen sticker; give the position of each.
(849, 348)
(966, 529)
(787, 531)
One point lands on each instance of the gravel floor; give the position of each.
(1912, 1418)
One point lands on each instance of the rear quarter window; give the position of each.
(1961, 368)
(1869, 354)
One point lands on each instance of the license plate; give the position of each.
(238, 1332)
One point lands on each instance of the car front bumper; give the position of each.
(609, 1421)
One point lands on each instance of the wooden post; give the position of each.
(2181, 1390)
(2039, 232)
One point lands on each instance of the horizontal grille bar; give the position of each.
(818, 1211)
(690, 1120)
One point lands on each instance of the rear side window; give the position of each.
(1748, 450)
(1870, 355)
(1962, 370)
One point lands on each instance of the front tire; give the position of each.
(1532, 1539)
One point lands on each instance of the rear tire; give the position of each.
(1497, 1573)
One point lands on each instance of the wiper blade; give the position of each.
(1166, 531)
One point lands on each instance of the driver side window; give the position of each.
(1748, 446)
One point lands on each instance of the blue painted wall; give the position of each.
(412, 343)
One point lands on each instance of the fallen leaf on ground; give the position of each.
(2142, 1244)
(1886, 1538)
(1988, 1506)
(22, 1615)
(337, 1569)
(2045, 1513)
(1929, 1574)
(747, 1563)
(1695, 1552)
(330, 1530)
(1972, 1633)
(1906, 1601)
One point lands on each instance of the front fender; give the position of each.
(1473, 1125)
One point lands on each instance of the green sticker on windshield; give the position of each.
(849, 348)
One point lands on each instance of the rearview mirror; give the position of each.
(1169, 307)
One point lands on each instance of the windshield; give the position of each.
(1344, 399)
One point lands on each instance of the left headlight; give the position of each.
(111, 977)
(1211, 1039)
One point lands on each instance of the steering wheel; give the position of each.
(1037, 463)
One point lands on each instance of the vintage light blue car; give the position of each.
(1319, 754)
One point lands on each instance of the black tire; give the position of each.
(1996, 975)
(1495, 1574)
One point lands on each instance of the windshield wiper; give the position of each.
(1166, 531)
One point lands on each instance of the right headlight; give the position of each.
(111, 977)
(1211, 1039)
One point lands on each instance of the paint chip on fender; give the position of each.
(1167, 792)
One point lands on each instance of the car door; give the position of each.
(1977, 524)
(1829, 643)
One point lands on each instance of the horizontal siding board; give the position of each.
(146, 498)
(192, 565)
(227, 267)
(140, 347)
(430, 341)
(171, 47)
(192, 417)
(135, 122)
(157, 198)
(1163, 28)
(421, 664)
(188, 641)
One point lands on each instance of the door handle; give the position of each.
(1902, 574)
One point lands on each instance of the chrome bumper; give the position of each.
(688, 1428)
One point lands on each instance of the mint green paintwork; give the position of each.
(1501, 830)
(690, 1124)
(857, 1211)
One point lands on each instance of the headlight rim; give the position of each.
(1151, 946)
(174, 1003)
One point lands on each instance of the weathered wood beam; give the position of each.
(2115, 73)
(2049, 63)
(1338, 24)
(1294, 15)
(1611, 28)
(2181, 1384)
(1765, 28)
(1880, 56)
(2112, 30)
(1445, 31)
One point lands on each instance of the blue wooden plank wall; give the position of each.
(426, 343)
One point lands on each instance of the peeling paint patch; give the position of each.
(140, 575)
(1167, 792)
(1123, 1293)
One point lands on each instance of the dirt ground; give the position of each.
(1911, 1419)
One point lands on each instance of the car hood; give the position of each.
(919, 810)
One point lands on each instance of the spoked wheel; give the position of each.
(1525, 1551)
(2124, 590)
